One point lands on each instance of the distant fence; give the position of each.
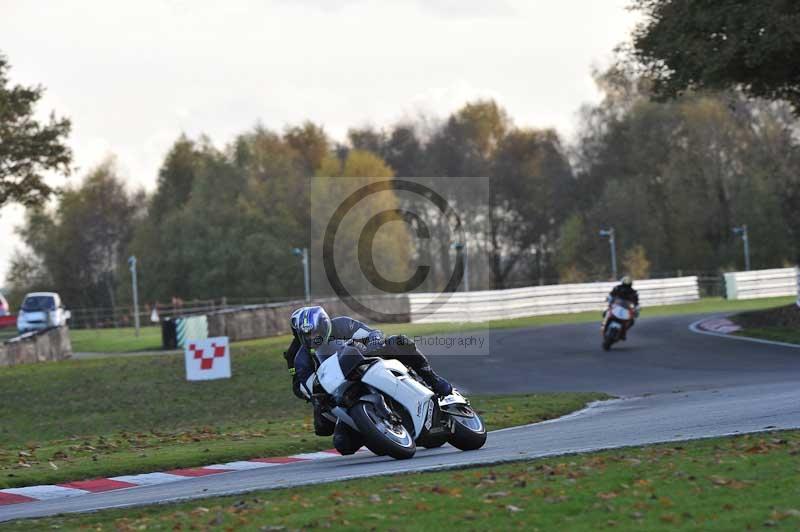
(123, 315)
(259, 321)
(762, 283)
(540, 300)
(710, 284)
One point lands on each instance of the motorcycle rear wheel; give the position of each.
(382, 436)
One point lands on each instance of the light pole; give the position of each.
(462, 248)
(303, 253)
(132, 265)
(742, 230)
(613, 245)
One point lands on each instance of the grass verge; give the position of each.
(777, 334)
(81, 419)
(120, 340)
(731, 483)
(780, 324)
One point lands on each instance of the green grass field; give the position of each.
(119, 340)
(108, 416)
(737, 483)
(116, 415)
(123, 340)
(778, 334)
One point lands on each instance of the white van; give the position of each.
(41, 310)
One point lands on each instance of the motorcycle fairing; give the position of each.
(391, 377)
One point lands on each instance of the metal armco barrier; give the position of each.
(762, 283)
(540, 300)
(271, 320)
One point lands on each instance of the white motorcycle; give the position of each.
(391, 407)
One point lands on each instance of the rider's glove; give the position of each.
(299, 387)
(400, 340)
(375, 339)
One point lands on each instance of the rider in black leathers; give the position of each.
(624, 290)
(306, 324)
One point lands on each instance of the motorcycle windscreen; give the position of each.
(391, 378)
(330, 375)
(621, 313)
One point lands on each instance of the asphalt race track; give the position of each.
(675, 385)
(661, 355)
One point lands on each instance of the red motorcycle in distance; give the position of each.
(616, 320)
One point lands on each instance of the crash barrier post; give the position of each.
(176, 330)
(191, 328)
(39, 346)
(489, 305)
(761, 283)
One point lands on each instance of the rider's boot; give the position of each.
(439, 385)
(322, 425)
(624, 335)
(346, 440)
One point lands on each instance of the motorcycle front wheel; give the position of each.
(609, 338)
(383, 435)
(469, 432)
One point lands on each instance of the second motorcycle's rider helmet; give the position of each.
(626, 280)
(312, 326)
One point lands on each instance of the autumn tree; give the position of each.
(29, 148)
(720, 44)
(80, 247)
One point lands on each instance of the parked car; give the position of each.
(41, 310)
(4, 309)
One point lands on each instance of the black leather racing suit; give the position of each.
(626, 292)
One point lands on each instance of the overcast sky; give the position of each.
(133, 75)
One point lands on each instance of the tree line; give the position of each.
(673, 178)
(687, 142)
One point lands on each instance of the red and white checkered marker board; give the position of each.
(208, 359)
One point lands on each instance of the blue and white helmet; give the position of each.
(311, 325)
